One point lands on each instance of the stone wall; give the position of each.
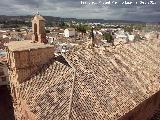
(23, 63)
(22, 112)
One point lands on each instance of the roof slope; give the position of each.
(107, 83)
(47, 93)
(110, 83)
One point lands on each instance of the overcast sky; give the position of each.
(115, 10)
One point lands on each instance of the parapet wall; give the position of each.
(23, 63)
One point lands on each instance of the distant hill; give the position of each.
(28, 18)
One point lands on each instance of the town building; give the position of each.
(151, 35)
(120, 83)
(69, 32)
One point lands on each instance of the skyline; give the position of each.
(74, 9)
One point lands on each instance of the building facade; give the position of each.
(70, 32)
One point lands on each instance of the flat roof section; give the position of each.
(25, 45)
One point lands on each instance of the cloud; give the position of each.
(74, 8)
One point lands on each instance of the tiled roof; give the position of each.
(48, 92)
(111, 83)
(107, 83)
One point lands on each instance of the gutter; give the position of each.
(73, 85)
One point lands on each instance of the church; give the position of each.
(121, 83)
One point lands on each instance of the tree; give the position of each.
(128, 29)
(83, 28)
(139, 26)
(63, 25)
(108, 36)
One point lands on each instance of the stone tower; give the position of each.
(38, 28)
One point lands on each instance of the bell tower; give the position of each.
(38, 28)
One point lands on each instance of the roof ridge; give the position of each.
(73, 84)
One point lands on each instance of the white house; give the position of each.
(50, 40)
(121, 34)
(69, 32)
(63, 47)
(131, 37)
(4, 36)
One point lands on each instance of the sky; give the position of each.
(135, 10)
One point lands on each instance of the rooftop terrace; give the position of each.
(25, 45)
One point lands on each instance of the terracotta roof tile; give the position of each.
(107, 84)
